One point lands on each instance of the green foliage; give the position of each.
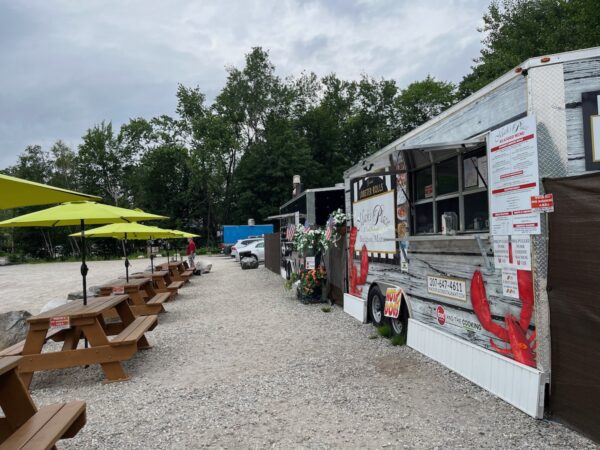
(516, 30)
(385, 330)
(326, 309)
(398, 340)
(225, 162)
(423, 100)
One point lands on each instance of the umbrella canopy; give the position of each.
(72, 213)
(79, 213)
(183, 234)
(129, 231)
(17, 193)
(125, 231)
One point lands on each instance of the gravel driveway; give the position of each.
(238, 363)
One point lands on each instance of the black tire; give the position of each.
(399, 326)
(375, 305)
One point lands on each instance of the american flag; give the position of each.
(306, 227)
(291, 230)
(329, 229)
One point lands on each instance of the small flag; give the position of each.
(306, 227)
(291, 230)
(329, 230)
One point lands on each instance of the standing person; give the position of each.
(190, 251)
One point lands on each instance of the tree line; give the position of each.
(225, 161)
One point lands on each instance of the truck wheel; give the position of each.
(376, 303)
(400, 325)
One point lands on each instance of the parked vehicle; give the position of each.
(254, 250)
(241, 244)
(447, 242)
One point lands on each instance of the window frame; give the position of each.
(461, 193)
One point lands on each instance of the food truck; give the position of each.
(309, 207)
(448, 229)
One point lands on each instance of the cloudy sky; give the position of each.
(67, 65)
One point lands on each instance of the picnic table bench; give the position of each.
(23, 425)
(177, 270)
(145, 301)
(109, 344)
(162, 282)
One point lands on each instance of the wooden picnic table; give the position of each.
(162, 282)
(145, 301)
(109, 344)
(177, 270)
(23, 425)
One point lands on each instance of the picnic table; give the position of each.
(145, 301)
(23, 425)
(109, 343)
(177, 270)
(162, 282)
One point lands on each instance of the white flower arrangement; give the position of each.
(339, 217)
(313, 239)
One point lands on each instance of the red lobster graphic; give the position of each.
(355, 277)
(515, 331)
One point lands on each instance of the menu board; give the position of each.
(513, 178)
(374, 214)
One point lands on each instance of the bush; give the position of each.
(398, 340)
(385, 330)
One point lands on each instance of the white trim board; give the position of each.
(356, 307)
(515, 383)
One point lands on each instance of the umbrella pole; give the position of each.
(84, 267)
(151, 257)
(126, 260)
(84, 271)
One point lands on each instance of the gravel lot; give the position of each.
(238, 363)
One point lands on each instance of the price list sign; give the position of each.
(513, 178)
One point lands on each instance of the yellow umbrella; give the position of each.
(79, 213)
(125, 231)
(17, 193)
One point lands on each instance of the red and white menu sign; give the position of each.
(513, 178)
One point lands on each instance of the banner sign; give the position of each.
(373, 213)
(60, 323)
(513, 178)
(393, 297)
(117, 290)
(542, 203)
(453, 288)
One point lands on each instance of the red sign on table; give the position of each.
(118, 290)
(542, 203)
(60, 323)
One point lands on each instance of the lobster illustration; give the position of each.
(514, 332)
(356, 278)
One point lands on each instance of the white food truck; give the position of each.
(448, 229)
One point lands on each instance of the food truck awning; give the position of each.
(284, 216)
(466, 145)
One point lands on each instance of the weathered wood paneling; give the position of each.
(580, 76)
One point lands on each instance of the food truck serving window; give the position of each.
(454, 184)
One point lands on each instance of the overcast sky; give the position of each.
(67, 65)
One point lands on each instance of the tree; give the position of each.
(423, 100)
(104, 164)
(516, 30)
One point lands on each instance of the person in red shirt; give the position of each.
(190, 251)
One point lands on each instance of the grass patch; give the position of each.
(385, 330)
(398, 340)
(326, 309)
